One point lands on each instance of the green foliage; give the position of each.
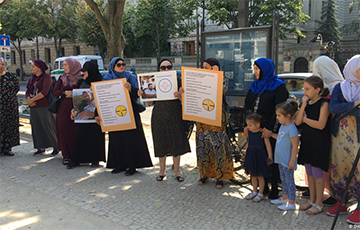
(223, 12)
(89, 29)
(329, 26)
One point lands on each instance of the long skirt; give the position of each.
(214, 155)
(343, 152)
(43, 128)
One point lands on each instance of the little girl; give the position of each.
(258, 157)
(314, 118)
(286, 150)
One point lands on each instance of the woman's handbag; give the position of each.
(54, 105)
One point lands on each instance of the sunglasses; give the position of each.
(120, 64)
(166, 67)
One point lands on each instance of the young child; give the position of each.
(314, 118)
(286, 150)
(258, 157)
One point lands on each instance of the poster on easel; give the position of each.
(202, 98)
(113, 105)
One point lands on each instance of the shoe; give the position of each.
(329, 201)
(259, 197)
(315, 209)
(202, 181)
(54, 153)
(130, 172)
(219, 184)
(8, 153)
(72, 165)
(117, 170)
(287, 207)
(180, 178)
(160, 178)
(279, 201)
(251, 196)
(332, 211)
(306, 193)
(354, 218)
(65, 161)
(94, 165)
(38, 152)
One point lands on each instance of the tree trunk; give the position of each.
(112, 31)
(57, 50)
(158, 50)
(37, 48)
(21, 60)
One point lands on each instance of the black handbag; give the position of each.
(54, 105)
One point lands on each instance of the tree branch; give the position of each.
(104, 26)
(3, 3)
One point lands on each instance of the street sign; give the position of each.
(5, 49)
(4, 40)
(7, 56)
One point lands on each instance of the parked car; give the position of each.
(295, 83)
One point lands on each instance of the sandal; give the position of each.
(180, 178)
(306, 206)
(315, 209)
(259, 197)
(219, 184)
(251, 196)
(202, 181)
(65, 161)
(160, 178)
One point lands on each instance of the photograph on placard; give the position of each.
(158, 86)
(84, 106)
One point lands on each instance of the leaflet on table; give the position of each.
(113, 105)
(158, 86)
(202, 99)
(84, 106)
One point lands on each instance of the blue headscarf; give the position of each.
(112, 75)
(267, 81)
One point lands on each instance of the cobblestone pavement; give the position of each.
(98, 199)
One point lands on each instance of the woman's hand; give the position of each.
(98, 120)
(305, 99)
(140, 93)
(266, 133)
(127, 85)
(30, 102)
(72, 116)
(68, 93)
(179, 93)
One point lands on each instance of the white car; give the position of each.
(295, 83)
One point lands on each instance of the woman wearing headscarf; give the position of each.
(328, 70)
(168, 130)
(66, 128)
(264, 94)
(43, 126)
(89, 139)
(9, 113)
(127, 149)
(346, 139)
(213, 149)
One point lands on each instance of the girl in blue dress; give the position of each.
(258, 157)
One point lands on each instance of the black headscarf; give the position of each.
(93, 71)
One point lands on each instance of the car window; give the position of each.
(294, 84)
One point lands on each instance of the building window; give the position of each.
(23, 56)
(13, 57)
(77, 50)
(62, 51)
(47, 55)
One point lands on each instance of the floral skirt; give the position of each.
(343, 152)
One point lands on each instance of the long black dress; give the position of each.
(89, 140)
(315, 143)
(128, 149)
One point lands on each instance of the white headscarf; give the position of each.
(351, 86)
(329, 71)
